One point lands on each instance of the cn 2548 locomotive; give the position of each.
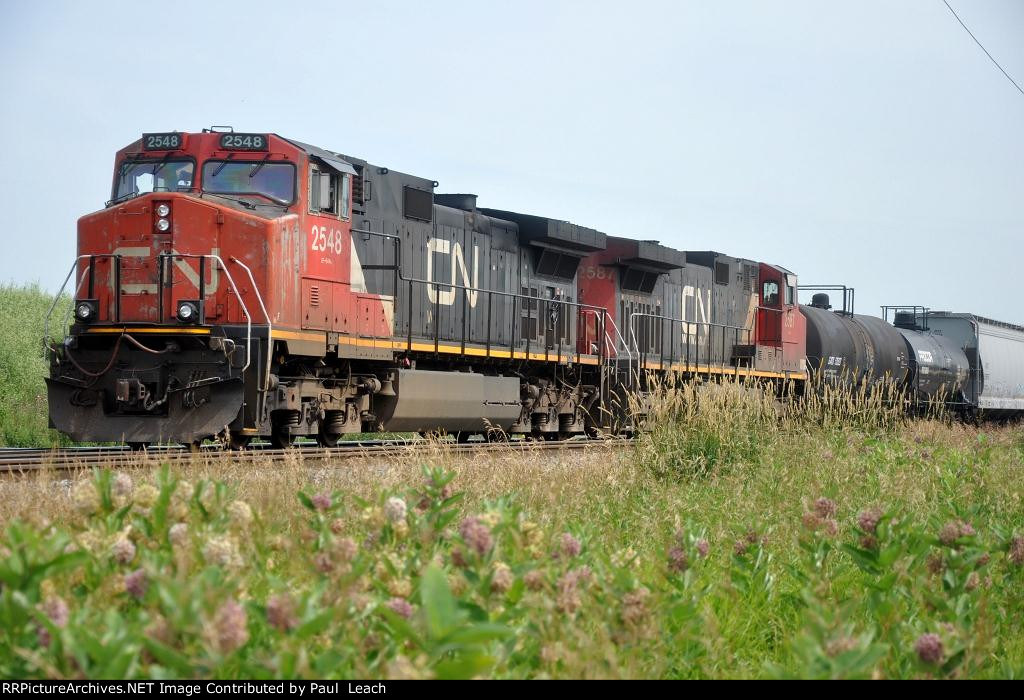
(240, 285)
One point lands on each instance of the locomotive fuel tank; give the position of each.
(851, 348)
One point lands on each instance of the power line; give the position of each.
(994, 61)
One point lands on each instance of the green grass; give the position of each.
(23, 410)
(524, 566)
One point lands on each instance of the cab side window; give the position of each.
(771, 294)
(328, 192)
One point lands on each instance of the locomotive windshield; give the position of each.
(139, 177)
(275, 181)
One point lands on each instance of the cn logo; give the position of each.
(458, 266)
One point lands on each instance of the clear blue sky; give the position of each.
(869, 142)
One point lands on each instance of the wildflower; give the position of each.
(929, 648)
(457, 584)
(121, 487)
(811, 521)
(984, 559)
(123, 550)
(178, 534)
(221, 551)
(831, 527)
(400, 587)
(321, 501)
(322, 562)
(337, 526)
(634, 606)
(835, 647)
(85, 498)
(534, 580)
(401, 529)
(1016, 552)
(146, 496)
(936, 563)
(869, 542)
(625, 557)
(966, 530)
(703, 547)
(825, 508)
(281, 612)
(136, 584)
(532, 532)
(346, 549)
(401, 607)
(476, 534)
(569, 546)
(240, 515)
(230, 627)
(373, 517)
(395, 509)
(868, 520)
(972, 581)
(458, 558)
(568, 599)
(57, 611)
(502, 579)
(677, 560)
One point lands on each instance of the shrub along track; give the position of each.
(25, 460)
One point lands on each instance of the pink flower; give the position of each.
(321, 501)
(281, 613)
(929, 648)
(401, 607)
(123, 550)
(677, 560)
(824, 508)
(476, 534)
(703, 547)
(569, 546)
(136, 584)
(868, 520)
(230, 627)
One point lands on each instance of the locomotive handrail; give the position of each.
(270, 325)
(672, 321)
(452, 285)
(56, 299)
(234, 288)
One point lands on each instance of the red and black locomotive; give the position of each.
(242, 285)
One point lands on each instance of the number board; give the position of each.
(162, 142)
(244, 142)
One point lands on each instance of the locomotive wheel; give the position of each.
(237, 441)
(325, 439)
(282, 438)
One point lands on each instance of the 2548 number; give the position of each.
(252, 142)
(328, 240)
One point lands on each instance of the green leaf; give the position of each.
(168, 656)
(306, 500)
(315, 626)
(439, 605)
(463, 667)
(479, 633)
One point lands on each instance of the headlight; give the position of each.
(162, 210)
(188, 312)
(163, 224)
(85, 310)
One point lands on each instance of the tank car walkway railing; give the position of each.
(551, 340)
(687, 363)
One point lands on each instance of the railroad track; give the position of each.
(23, 460)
